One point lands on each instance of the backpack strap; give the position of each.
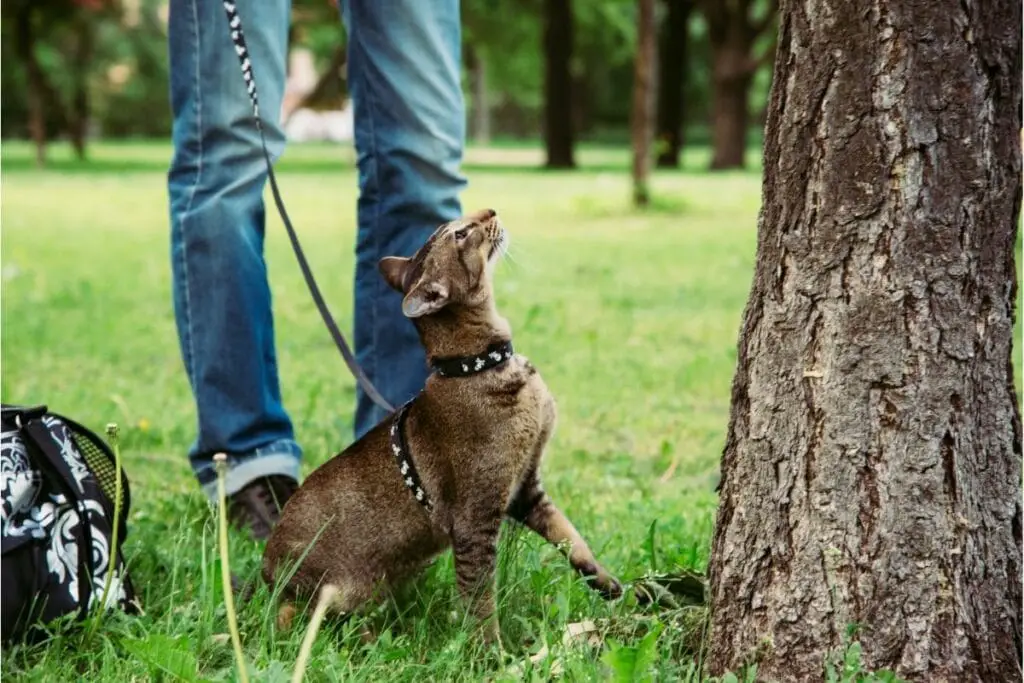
(20, 414)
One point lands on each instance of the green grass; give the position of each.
(632, 319)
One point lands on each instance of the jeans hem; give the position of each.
(281, 458)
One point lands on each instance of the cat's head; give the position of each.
(453, 267)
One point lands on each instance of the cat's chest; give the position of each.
(517, 387)
(497, 416)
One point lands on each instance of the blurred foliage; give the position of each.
(138, 105)
(127, 75)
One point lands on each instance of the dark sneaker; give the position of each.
(257, 507)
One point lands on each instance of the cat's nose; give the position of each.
(486, 214)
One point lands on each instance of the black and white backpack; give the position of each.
(58, 482)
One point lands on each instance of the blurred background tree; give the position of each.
(673, 63)
(51, 54)
(556, 71)
(645, 71)
(737, 30)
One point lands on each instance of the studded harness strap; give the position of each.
(459, 366)
(403, 458)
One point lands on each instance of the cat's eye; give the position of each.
(461, 233)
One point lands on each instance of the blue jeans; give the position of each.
(404, 78)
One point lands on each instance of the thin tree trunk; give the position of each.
(35, 80)
(558, 128)
(642, 118)
(872, 470)
(480, 116)
(79, 118)
(672, 74)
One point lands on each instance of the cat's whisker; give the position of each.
(519, 262)
(506, 257)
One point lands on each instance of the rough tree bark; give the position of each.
(558, 128)
(872, 469)
(733, 31)
(672, 63)
(642, 116)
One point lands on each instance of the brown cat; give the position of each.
(449, 465)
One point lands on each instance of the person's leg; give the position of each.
(404, 69)
(222, 298)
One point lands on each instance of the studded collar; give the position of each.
(463, 366)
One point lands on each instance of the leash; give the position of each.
(238, 38)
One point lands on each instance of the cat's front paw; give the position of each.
(600, 580)
(607, 585)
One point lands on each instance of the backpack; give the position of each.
(57, 489)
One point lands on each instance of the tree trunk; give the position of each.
(79, 119)
(35, 80)
(480, 116)
(871, 474)
(558, 129)
(672, 73)
(642, 118)
(731, 78)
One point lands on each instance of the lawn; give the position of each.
(631, 318)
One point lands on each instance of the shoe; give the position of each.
(257, 507)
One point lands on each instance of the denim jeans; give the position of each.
(404, 79)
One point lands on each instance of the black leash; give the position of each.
(238, 38)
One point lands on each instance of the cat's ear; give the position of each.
(424, 299)
(393, 270)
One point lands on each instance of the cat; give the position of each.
(446, 468)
